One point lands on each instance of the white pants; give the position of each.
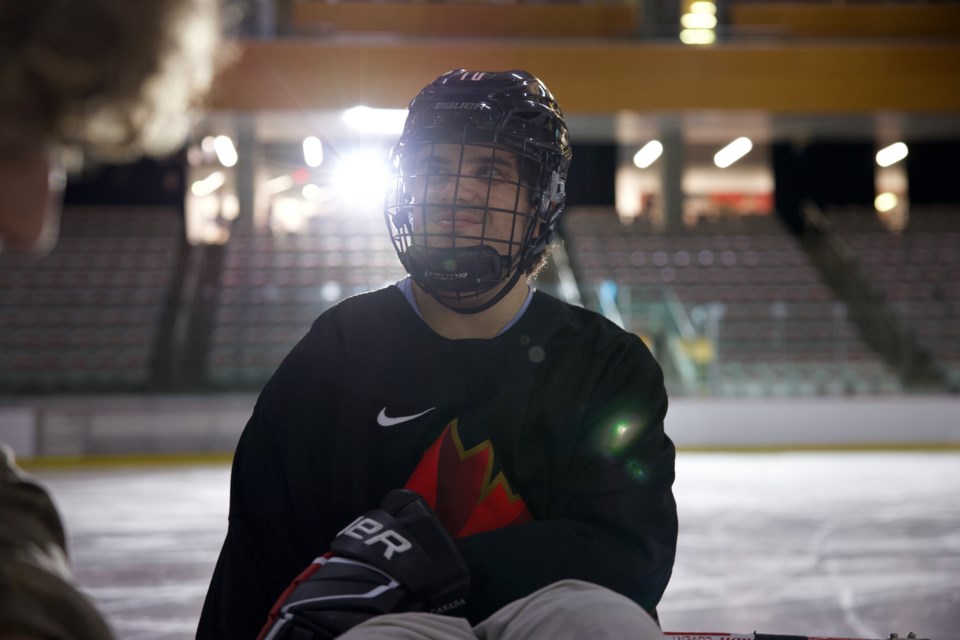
(566, 609)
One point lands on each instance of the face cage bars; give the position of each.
(451, 266)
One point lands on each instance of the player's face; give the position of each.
(465, 195)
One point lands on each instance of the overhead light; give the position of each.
(312, 151)
(892, 154)
(698, 36)
(647, 154)
(208, 185)
(226, 152)
(699, 23)
(885, 202)
(732, 152)
(698, 20)
(369, 120)
(703, 7)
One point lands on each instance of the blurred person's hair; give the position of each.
(113, 77)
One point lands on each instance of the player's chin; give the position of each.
(468, 299)
(465, 300)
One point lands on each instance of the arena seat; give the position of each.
(916, 269)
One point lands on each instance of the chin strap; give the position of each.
(451, 275)
(463, 271)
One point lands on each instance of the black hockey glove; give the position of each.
(392, 559)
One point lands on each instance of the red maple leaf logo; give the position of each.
(465, 487)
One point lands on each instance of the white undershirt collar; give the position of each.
(406, 287)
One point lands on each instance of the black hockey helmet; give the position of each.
(509, 114)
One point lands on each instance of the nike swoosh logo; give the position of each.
(386, 421)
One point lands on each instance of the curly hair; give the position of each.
(114, 77)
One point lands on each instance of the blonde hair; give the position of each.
(115, 77)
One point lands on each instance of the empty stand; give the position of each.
(273, 286)
(745, 285)
(90, 316)
(86, 316)
(918, 272)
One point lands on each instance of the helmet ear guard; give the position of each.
(552, 199)
(549, 207)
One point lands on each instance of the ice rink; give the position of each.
(838, 544)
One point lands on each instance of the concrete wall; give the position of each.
(117, 425)
(109, 425)
(817, 422)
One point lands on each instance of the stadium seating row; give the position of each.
(87, 315)
(92, 314)
(916, 268)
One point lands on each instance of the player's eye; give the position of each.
(492, 171)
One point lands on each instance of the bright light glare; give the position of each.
(288, 215)
(698, 36)
(368, 120)
(698, 21)
(312, 151)
(361, 177)
(892, 154)
(331, 291)
(230, 206)
(311, 192)
(703, 7)
(226, 152)
(885, 202)
(208, 185)
(648, 154)
(732, 152)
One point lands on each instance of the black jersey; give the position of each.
(542, 451)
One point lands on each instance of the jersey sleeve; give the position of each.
(277, 492)
(612, 519)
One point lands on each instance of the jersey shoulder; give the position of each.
(572, 322)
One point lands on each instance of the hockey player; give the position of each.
(514, 443)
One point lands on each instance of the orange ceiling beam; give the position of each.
(596, 76)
